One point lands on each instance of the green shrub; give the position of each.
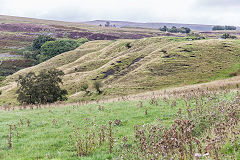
(128, 45)
(233, 74)
(53, 48)
(28, 54)
(195, 36)
(45, 47)
(228, 36)
(81, 41)
(98, 85)
(40, 40)
(84, 87)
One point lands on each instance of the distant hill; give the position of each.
(121, 24)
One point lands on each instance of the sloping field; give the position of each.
(135, 66)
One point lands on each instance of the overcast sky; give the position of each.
(179, 11)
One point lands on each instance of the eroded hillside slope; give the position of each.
(134, 66)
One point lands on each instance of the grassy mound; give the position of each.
(134, 66)
(17, 33)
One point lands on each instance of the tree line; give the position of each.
(175, 29)
(215, 28)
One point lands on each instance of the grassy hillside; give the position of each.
(134, 66)
(208, 122)
(16, 33)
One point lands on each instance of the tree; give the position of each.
(40, 40)
(173, 29)
(53, 48)
(218, 28)
(230, 27)
(187, 30)
(107, 24)
(164, 29)
(42, 88)
(224, 28)
(176, 30)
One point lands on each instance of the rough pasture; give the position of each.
(200, 124)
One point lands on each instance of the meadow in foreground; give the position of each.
(47, 135)
(197, 125)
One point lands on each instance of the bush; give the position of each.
(53, 48)
(228, 36)
(233, 74)
(45, 47)
(81, 41)
(2, 78)
(98, 85)
(28, 54)
(84, 87)
(128, 45)
(40, 40)
(195, 36)
(42, 88)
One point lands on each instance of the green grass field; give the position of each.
(43, 138)
(44, 133)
